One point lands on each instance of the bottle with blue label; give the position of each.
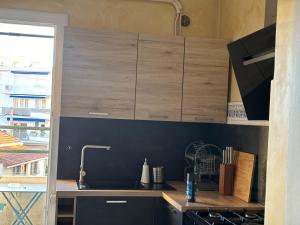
(190, 188)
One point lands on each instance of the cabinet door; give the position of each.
(161, 212)
(115, 211)
(159, 78)
(205, 85)
(99, 74)
(174, 217)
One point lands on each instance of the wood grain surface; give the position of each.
(159, 78)
(205, 80)
(123, 76)
(204, 199)
(226, 179)
(99, 74)
(245, 163)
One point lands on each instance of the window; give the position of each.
(40, 103)
(26, 70)
(16, 103)
(42, 52)
(18, 132)
(20, 103)
(46, 167)
(43, 103)
(34, 170)
(23, 103)
(16, 170)
(25, 65)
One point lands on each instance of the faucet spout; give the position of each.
(82, 173)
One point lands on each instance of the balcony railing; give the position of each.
(37, 211)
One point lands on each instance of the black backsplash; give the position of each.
(251, 139)
(163, 143)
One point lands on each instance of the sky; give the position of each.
(29, 53)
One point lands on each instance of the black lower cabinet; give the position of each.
(116, 211)
(161, 212)
(188, 221)
(174, 216)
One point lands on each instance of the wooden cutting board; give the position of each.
(245, 163)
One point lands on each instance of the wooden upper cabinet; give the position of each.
(99, 74)
(144, 77)
(159, 78)
(205, 85)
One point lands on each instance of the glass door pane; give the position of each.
(26, 61)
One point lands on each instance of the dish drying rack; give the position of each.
(204, 161)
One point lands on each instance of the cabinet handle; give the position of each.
(98, 114)
(158, 116)
(116, 202)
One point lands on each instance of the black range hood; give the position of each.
(252, 58)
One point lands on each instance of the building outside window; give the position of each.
(16, 170)
(40, 103)
(20, 103)
(34, 168)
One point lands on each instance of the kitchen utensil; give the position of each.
(243, 175)
(204, 160)
(190, 152)
(145, 179)
(158, 174)
(227, 170)
(228, 156)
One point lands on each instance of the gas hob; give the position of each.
(226, 217)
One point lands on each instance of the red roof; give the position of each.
(15, 159)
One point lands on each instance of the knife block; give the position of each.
(226, 179)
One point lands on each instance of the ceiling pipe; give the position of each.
(178, 7)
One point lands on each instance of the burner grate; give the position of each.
(227, 217)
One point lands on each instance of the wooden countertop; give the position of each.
(204, 199)
(68, 188)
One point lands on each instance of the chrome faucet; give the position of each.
(82, 171)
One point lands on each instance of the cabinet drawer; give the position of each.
(115, 211)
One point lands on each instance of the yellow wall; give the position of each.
(237, 19)
(283, 184)
(129, 15)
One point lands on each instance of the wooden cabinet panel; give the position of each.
(159, 78)
(99, 74)
(205, 84)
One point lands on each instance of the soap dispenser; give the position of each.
(145, 179)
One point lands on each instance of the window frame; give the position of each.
(59, 21)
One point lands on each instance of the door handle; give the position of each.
(116, 202)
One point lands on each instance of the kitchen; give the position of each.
(134, 131)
